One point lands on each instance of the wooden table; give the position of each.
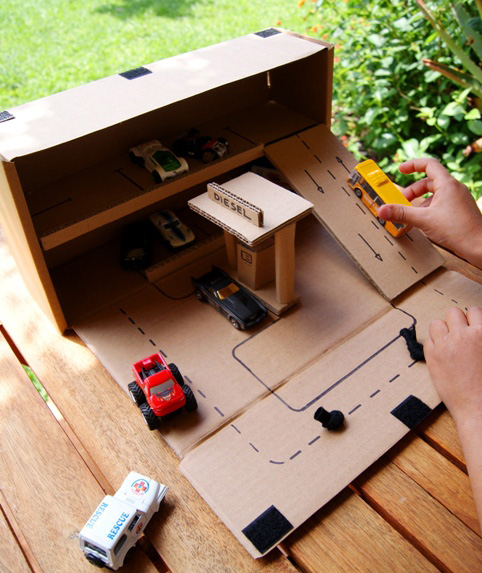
(411, 511)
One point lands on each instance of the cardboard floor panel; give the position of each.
(439, 293)
(317, 165)
(229, 370)
(276, 464)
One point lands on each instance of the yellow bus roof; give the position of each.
(378, 180)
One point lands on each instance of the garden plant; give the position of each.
(388, 105)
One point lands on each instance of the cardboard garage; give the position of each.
(252, 449)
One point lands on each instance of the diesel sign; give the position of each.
(235, 204)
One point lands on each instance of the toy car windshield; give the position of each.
(172, 224)
(95, 548)
(167, 160)
(227, 291)
(164, 387)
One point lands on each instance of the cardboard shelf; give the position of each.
(89, 199)
(120, 189)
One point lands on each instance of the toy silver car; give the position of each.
(160, 161)
(119, 520)
(174, 233)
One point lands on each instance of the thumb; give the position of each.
(413, 216)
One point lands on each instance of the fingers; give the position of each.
(418, 189)
(438, 329)
(474, 316)
(413, 216)
(426, 165)
(455, 318)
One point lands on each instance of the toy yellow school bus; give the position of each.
(375, 189)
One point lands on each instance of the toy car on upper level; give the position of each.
(159, 389)
(232, 300)
(174, 233)
(160, 161)
(117, 523)
(204, 147)
(375, 189)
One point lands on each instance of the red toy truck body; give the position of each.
(159, 389)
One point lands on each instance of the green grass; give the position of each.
(51, 45)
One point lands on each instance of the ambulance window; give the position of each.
(95, 548)
(120, 543)
(134, 521)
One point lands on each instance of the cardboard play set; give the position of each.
(338, 287)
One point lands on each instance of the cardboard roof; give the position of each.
(86, 109)
(279, 207)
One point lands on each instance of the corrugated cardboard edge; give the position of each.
(101, 114)
(22, 239)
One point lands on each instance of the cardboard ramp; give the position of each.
(317, 165)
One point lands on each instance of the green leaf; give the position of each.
(443, 121)
(376, 40)
(471, 66)
(453, 108)
(472, 114)
(402, 24)
(466, 22)
(457, 76)
(475, 126)
(411, 147)
(384, 141)
(371, 114)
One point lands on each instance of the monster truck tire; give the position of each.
(151, 420)
(177, 375)
(136, 393)
(191, 402)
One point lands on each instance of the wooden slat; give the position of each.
(434, 530)
(187, 535)
(348, 535)
(453, 263)
(12, 559)
(439, 431)
(438, 476)
(45, 483)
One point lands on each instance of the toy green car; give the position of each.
(160, 161)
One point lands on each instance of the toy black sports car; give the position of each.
(204, 147)
(239, 306)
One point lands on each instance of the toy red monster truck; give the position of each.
(159, 389)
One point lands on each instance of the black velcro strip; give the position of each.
(267, 33)
(136, 73)
(267, 529)
(5, 116)
(411, 411)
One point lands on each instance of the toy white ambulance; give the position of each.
(116, 524)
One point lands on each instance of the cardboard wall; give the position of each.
(43, 167)
(23, 242)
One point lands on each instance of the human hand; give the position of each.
(453, 352)
(449, 217)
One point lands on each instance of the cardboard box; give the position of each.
(256, 265)
(253, 449)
